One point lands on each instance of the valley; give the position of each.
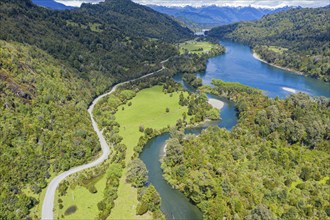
(116, 111)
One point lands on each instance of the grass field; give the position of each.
(277, 49)
(196, 47)
(83, 199)
(148, 109)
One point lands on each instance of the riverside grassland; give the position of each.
(201, 48)
(147, 109)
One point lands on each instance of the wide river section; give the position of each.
(239, 65)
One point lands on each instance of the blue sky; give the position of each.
(197, 3)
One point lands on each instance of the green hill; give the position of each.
(133, 19)
(84, 39)
(297, 39)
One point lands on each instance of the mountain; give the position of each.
(108, 38)
(52, 64)
(134, 19)
(51, 4)
(297, 39)
(212, 16)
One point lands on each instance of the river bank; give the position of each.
(218, 104)
(256, 56)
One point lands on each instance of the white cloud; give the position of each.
(198, 3)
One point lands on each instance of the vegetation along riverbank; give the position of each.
(128, 119)
(274, 158)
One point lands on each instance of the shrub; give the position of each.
(92, 189)
(72, 209)
(137, 173)
(148, 131)
(141, 208)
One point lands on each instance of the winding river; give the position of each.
(237, 65)
(174, 204)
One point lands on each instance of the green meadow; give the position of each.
(148, 108)
(197, 47)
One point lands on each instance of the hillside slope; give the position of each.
(84, 39)
(135, 20)
(44, 126)
(298, 39)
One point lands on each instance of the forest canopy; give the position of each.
(272, 165)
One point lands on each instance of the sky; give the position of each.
(198, 3)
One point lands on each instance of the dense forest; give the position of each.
(272, 165)
(132, 19)
(44, 127)
(52, 64)
(297, 39)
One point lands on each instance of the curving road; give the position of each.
(48, 203)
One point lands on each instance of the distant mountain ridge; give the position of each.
(51, 4)
(212, 16)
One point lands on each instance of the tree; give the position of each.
(305, 174)
(141, 128)
(149, 200)
(261, 212)
(137, 173)
(148, 131)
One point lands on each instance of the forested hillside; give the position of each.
(273, 165)
(84, 40)
(44, 127)
(297, 39)
(52, 64)
(134, 20)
